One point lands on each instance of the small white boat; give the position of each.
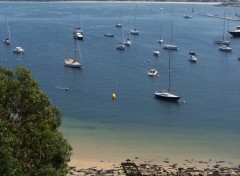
(156, 53)
(118, 25)
(152, 72)
(78, 36)
(108, 35)
(18, 50)
(170, 47)
(193, 57)
(128, 42)
(7, 41)
(187, 16)
(160, 40)
(134, 32)
(121, 46)
(225, 48)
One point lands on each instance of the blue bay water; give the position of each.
(135, 124)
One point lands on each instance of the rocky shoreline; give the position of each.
(149, 169)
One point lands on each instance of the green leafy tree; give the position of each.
(30, 143)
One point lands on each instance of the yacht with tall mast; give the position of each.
(134, 31)
(166, 94)
(75, 61)
(7, 40)
(222, 40)
(121, 44)
(128, 41)
(171, 46)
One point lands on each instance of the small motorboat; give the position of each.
(160, 40)
(7, 41)
(128, 42)
(193, 57)
(152, 72)
(78, 34)
(156, 53)
(18, 50)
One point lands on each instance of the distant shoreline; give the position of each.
(134, 2)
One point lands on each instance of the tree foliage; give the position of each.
(30, 143)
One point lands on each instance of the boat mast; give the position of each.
(75, 51)
(172, 33)
(135, 18)
(169, 71)
(224, 26)
(80, 55)
(8, 31)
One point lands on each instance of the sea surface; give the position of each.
(203, 125)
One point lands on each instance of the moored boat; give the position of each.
(18, 50)
(225, 48)
(236, 32)
(152, 72)
(193, 57)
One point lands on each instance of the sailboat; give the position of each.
(166, 94)
(156, 52)
(128, 41)
(222, 40)
(171, 46)
(121, 45)
(134, 31)
(119, 24)
(73, 62)
(7, 40)
(160, 39)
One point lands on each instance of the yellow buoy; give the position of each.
(113, 96)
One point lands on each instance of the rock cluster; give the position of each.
(157, 170)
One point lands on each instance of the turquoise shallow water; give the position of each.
(135, 124)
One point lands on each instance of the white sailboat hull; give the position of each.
(170, 47)
(72, 63)
(165, 95)
(134, 32)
